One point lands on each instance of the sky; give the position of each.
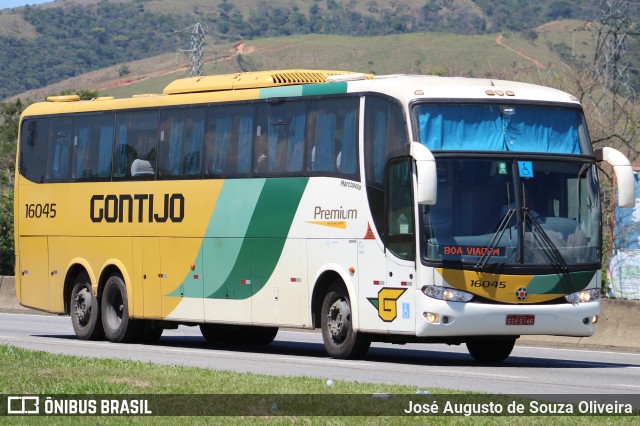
(6, 4)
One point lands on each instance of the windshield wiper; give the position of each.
(544, 238)
(497, 236)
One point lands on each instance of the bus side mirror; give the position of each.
(624, 174)
(427, 178)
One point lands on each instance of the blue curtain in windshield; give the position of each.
(498, 128)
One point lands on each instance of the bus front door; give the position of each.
(399, 301)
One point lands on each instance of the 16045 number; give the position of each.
(38, 210)
(488, 284)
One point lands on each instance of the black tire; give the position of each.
(149, 334)
(262, 335)
(84, 309)
(118, 326)
(340, 340)
(238, 334)
(492, 351)
(213, 333)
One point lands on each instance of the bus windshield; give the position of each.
(494, 127)
(508, 211)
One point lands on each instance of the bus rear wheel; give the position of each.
(85, 310)
(340, 340)
(118, 327)
(495, 350)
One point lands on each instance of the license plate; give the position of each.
(521, 319)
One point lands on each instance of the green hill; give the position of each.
(516, 57)
(50, 43)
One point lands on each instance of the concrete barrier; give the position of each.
(8, 300)
(618, 329)
(618, 326)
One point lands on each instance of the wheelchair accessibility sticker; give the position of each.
(526, 169)
(406, 311)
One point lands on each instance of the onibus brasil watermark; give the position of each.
(68, 406)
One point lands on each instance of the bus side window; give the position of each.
(228, 141)
(384, 135)
(181, 139)
(332, 134)
(260, 143)
(59, 155)
(92, 147)
(400, 232)
(33, 149)
(347, 158)
(295, 146)
(323, 130)
(136, 144)
(286, 137)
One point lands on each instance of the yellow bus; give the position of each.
(391, 208)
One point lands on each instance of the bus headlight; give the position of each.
(447, 294)
(583, 296)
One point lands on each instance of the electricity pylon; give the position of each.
(196, 50)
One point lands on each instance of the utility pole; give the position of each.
(196, 50)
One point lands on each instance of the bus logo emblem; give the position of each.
(387, 303)
(521, 294)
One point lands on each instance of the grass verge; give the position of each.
(34, 372)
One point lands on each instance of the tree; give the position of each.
(124, 70)
(9, 119)
(614, 121)
(530, 35)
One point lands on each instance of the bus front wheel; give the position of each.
(85, 310)
(118, 327)
(340, 340)
(496, 350)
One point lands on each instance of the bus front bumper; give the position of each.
(437, 318)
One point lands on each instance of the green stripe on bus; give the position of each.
(281, 92)
(265, 237)
(324, 88)
(235, 207)
(304, 90)
(560, 283)
(227, 228)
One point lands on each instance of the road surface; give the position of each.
(529, 370)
